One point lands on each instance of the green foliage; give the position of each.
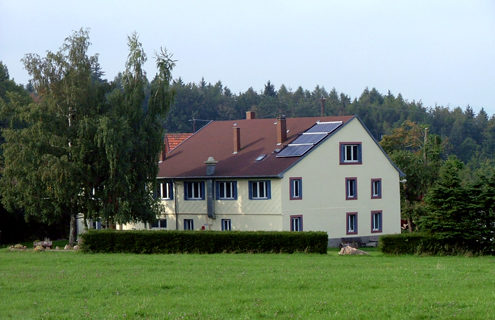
(405, 243)
(430, 244)
(129, 137)
(203, 242)
(44, 160)
(85, 146)
(463, 213)
(418, 154)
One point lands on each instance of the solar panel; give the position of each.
(294, 150)
(324, 127)
(309, 138)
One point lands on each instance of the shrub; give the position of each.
(431, 244)
(203, 242)
(404, 243)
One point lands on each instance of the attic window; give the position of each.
(261, 157)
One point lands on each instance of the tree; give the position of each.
(82, 147)
(418, 154)
(462, 213)
(43, 171)
(130, 138)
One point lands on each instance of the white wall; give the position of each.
(324, 205)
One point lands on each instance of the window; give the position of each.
(351, 189)
(376, 221)
(194, 190)
(376, 188)
(350, 153)
(226, 190)
(159, 224)
(164, 190)
(97, 225)
(226, 225)
(295, 188)
(296, 223)
(352, 226)
(188, 224)
(259, 190)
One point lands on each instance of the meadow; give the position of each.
(73, 285)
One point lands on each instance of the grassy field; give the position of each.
(69, 285)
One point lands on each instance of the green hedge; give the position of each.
(437, 244)
(203, 241)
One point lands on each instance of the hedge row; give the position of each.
(203, 242)
(438, 244)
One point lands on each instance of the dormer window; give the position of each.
(261, 157)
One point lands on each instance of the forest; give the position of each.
(468, 135)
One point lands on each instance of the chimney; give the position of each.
(165, 150)
(250, 115)
(322, 111)
(237, 139)
(281, 129)
(211, 164)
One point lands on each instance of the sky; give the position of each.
(439, 52)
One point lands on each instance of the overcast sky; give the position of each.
(439, 52)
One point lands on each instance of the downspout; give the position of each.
(210, 170)
(176, 206)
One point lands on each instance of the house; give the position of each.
(298, 174)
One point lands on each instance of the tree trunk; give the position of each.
(409, 224)
(73, 230)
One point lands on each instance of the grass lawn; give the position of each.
(70, 285)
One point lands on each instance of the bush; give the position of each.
(203, 242)
(431, 244)
(404, 243)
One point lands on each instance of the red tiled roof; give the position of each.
(172, 140)
(258, 136)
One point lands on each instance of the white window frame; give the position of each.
(376, 221)
(165, 188)
(351, 152)
(196, 193)
(351, 190)
(296, 223)
(258, 187)
(188, 224)
(376, 188)
(295, 188)
(227, 185)
(226, 224)
(352, 226)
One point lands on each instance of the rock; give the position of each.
(39, 248)
(347, 250)
(68, 247)
(76, 247)
(57, 248)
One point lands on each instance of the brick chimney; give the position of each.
(250, 115)
(165, 150)
(281, 129)
(237, 139)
